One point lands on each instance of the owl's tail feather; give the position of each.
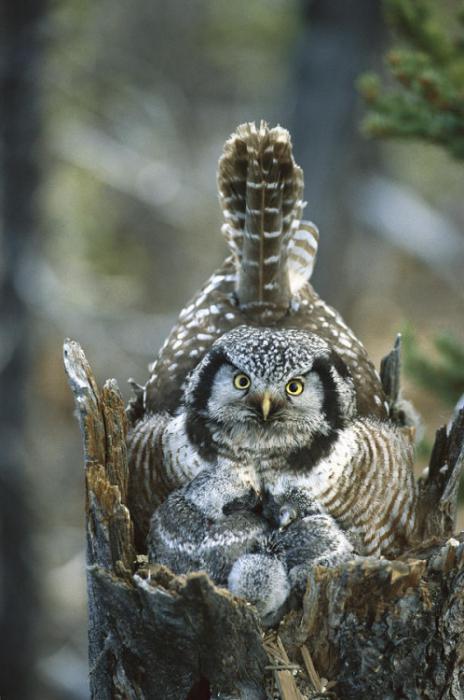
(261, 189)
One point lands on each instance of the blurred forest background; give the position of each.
(113, 118)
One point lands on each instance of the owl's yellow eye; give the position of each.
(241, 381)
(294, 387)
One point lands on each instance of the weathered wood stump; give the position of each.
(371, 628)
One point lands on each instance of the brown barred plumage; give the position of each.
(264, 283)
(366, 484)
(260, 190)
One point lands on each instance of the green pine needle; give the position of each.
(427, 66)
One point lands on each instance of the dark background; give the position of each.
(113, 118)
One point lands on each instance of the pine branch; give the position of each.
(427, 67)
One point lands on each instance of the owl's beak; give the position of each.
(266, 404)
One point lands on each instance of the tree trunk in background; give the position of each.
(20, 126)
(339, 39)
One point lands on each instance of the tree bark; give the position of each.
(371, 628)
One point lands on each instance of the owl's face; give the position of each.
(266, 388)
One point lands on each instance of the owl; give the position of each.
(264, 283)
(281, 472)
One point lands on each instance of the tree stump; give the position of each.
(371, 628)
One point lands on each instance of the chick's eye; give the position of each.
(294, 387)
(241, 381)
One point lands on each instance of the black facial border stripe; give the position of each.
(331, 405)
(202, 391)
(198, 432)
(307, 457)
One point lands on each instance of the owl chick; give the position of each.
(264, 282)
(208, 524)
(216, 524)
(271, 415)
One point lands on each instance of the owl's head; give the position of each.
(263, 387)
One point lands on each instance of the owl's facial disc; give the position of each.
(269, 389)
(239, 399)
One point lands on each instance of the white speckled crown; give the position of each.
(269, 353)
